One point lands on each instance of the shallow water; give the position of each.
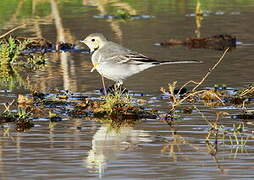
(78, 148)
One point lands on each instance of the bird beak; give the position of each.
(85, 42)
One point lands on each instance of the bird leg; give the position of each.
(103, 84)
(117, 86)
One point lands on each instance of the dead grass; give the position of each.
(176, 100)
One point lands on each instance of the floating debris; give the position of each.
(117, 107)
(217, 42)
(110, 16)
(247, 114)
(41, 45)
(122, 14)
(6, 119)
(23, 125)
(54, 117)
(209, 13)
(25, 45)
(20, 117)
(114, 106)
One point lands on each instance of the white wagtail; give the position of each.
(116, 62)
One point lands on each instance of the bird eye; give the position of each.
(93, 40)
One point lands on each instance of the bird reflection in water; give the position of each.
(109, 141)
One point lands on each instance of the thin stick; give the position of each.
(189, 95)
(191, 81)
(103, 84)
(210, 70)
(10, 31)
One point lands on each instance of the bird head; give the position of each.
(94, 41)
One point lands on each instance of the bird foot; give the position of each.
(113, 89)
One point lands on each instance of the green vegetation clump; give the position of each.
(116, 102)
(11, 53)
(20, 117)
(119, 105)
(13, 61)
(10, 50)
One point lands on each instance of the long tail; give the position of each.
(179, 62)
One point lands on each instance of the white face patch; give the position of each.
(93, 45)
(91, 49)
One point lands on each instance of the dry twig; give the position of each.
(10, 31)
(210, 70)
(176, 101)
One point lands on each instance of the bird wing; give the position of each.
(115, 53)
(132, 58)
(118, 54)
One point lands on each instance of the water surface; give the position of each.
(79, 148)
